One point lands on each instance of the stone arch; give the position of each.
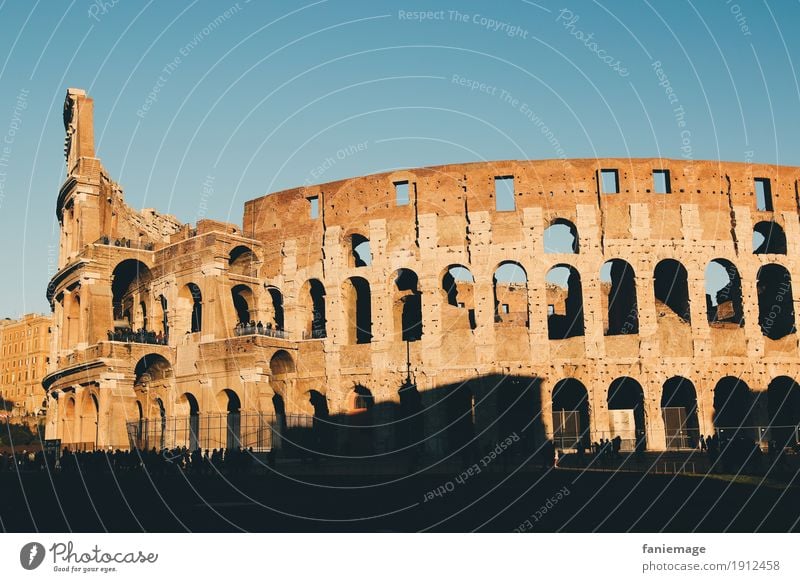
(769, 238)
(618, 286)
(458, 290)
(190, 410)
(242, 261)
(783, 401)
(407, 305)
(130, 281)
(776, 316)
(228, 401)
(73, 321)
(190, 304)
(152, 370)
(274, 311)
(313, 305)
(68, 421)
(90, 415)
(360, 430)
(564, 294)
(571, 414)
(734, 403)
(360, 253)
(243, 303)
(282, 371)
(357, 303)
(723, 294)
(679, 412)
(671, 288)
(561, 236)
(510, 288)
(626, 396)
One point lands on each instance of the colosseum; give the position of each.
(429, 308)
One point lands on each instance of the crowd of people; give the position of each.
(252, 327)
(153, 461)
(140, 336)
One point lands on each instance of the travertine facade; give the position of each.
(24, 347)
(437, 265)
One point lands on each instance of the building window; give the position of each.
(313, 204)
(401, 193)
(763, 195)
(661, 183)
(504, 193)
(609, 181)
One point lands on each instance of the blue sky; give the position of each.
(257, 97)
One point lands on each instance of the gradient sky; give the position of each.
(260, 100)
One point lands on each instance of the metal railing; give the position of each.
(124, 243)
(142, 336)
(260, 329)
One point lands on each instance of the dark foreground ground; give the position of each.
(314, 499)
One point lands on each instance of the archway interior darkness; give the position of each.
(564, 302)
(679, 412)
(129, 280)
(733, 405)
(510, 288)
(316, 291)
(360, 430)
(775, 301)
(276, 303)
(519, 408)
(783, 402)
(461, 412)
(458, 285)
(671, 287)
(769, 239)
(408, 300)
(626, 394)
(724, 294)
(358, 310)
(570, 414)
(618, 284)
(561, 237)
(242, 297)
(193, 294)
(233, 422)
(194, 420)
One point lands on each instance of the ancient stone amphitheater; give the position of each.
(431, 308)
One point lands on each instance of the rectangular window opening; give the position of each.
(504, 193)
(401, 193)
(661, 183)
(763, 195)
(609, 181)
(313, 204)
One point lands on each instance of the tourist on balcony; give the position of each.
(260, 327)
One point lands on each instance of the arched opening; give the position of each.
(769, 238)
(243, 302)
(314, 299)
(458, 286)
(281, 364)
(519, 408)
(73, 317)
(407, 305)
(723, 294)
(189, 403)
(90, 413)
(129, 286)
(191, 305)
(671, 289)
(679, 411)
(564, 302)
(733, 404)
(140, 427)
(151, 370)
(164, 319)
(360, 252)
(570, 414)
(274, 313)
(783, 401)
(229, 401)
(626, 413)
(618, 286)
(561, 237)
(242, 261)
(358, 310)
(360, 435)
(162, 424)
(775, 301)
(510, 284)
(68, 421)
